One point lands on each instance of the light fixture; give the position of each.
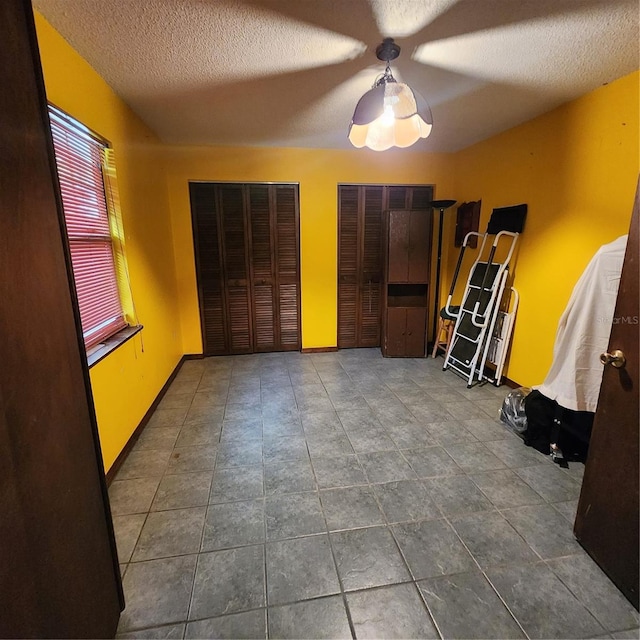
(390, 114)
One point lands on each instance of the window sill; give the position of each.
(100, 351)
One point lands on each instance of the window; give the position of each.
(83, 172)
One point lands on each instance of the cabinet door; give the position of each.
(415, 332)
(398, 246)
(396, 327)
(419, 246)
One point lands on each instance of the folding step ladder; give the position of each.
(495, 354)
(475, 327)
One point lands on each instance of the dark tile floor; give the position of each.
(345, 495)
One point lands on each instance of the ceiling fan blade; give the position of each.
(353, 18)
(471, 16)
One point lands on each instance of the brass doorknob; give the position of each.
(615, 359)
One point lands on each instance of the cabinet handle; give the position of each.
(409, 333)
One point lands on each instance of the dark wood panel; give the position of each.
(263, 323)
(398, 251)
(607, 516)
(287, 306)
(209, 267)
(397, 197)
(348, 213)
(416, 332)
(234, 235)
(420, 199)
(419, 246)
(289, 317)
(261, 240)
(59, 574)
(396, 327)
(286, 214)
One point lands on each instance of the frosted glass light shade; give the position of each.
(389, 116)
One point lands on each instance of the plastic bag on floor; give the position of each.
(512, 412)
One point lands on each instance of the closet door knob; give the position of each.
(615, 359)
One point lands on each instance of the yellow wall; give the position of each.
(126, 382)
(318, 171)
(576, 167)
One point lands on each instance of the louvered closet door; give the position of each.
(371, 274)
(273, 215)
(262, 267)
(247, 262)
(287, 267)
(359, 265)
(348, 205)
(231, 209)
(209, 267)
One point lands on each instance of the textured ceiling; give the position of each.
(289, 72)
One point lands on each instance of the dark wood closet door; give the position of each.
(273, 214)
(287, 267)
(59, 575)
(231, 207)
(359, 265)
(262, 267)
(209, 267)
(348, 285)
(371, 274)
(246, 240)
(360, 209)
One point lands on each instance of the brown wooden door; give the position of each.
(247, 263)
(607, 517)
(416, 328)
(59, 575)
(360, 219)
(398, 252)
(409, 249)
(396, 329)
(231, 212)
(208, 253)
(359, 265)
(287, 268)
(419, 246)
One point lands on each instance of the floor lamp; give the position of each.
(441, 205)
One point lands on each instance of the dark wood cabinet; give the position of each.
(405, 331)
(360, 255)
(407, 255)
(246, 239)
